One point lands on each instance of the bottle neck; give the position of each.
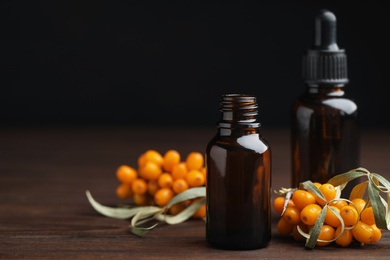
(238, 114)
(325, 90)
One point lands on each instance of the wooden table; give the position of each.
(44, 213)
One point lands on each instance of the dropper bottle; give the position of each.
(324, 121)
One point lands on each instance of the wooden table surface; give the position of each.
(44, 213)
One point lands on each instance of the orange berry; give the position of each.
(195, 178)
(284, 228)
(152, 187)
(359, 203)
(204, 172)
(151, 171)
(139, 186)
(377, 233)
(154, 156)
(310, 213)
(349, 215)
(126, 174)
(141, 160)
(165, 180)
(331, 219)
(179, 186)
(367, 216)
(201, 212)
(179, 171)
(176, 209)
(123, 191)
(345, 239)
(327, 234)
(296, 235)
(292, 215)
(279, 204)
(302, 198)
(363, 232)
(338, 203)
(140, 199)
(194, 161)
(163, 196)
(171, 158)
(329, 192)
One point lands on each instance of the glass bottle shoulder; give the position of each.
(252, 142)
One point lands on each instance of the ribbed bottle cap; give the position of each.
(325, 63)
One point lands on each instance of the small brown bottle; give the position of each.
(324, 121)
(238, 162)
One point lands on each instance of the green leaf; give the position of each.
(143, 217)
(344, 178)
(377, 206)
(186, 213)
(315, 231)
(191, 193)
(119, 213)
(313, 188)
(382, 180)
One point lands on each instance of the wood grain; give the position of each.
(44, 213)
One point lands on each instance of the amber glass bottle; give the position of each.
(238, 163)
(324, 121)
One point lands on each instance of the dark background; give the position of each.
(160, 63)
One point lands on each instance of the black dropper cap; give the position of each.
(325, 63)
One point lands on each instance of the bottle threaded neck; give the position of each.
(238, 111)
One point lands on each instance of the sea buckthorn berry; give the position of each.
(284, 228)
(151, 171)
(310, 213)
(331, 219)
(195, 178)
(367, 216)
(338, 203)
(345, 239)
(203, 170)
(302, 198)
(171, 158)
(163, 196)
(179, 171)
(377, 233)
(279, 204)
(194, 161)
(176, 209)
(327, 234)
(296, 235)
(141, 160)
(329, 192)
(292, 215)
(179, 186)
(126, 174)
(155, 157)
(152, 187)
(349, 215)
(363, 232)
(359, 203)
(123, 191)
(139, 186)
(165, 180)
(201, 212)
(140, 199)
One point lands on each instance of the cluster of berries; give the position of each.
(159, 177)
(300, 213)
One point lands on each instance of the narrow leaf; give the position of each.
(342, 179)
(186, 213)
(313, 188)
(382, 180)
(191, 193)
(315, 231)
(377, 206)
(143, 217)
(119, 213)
